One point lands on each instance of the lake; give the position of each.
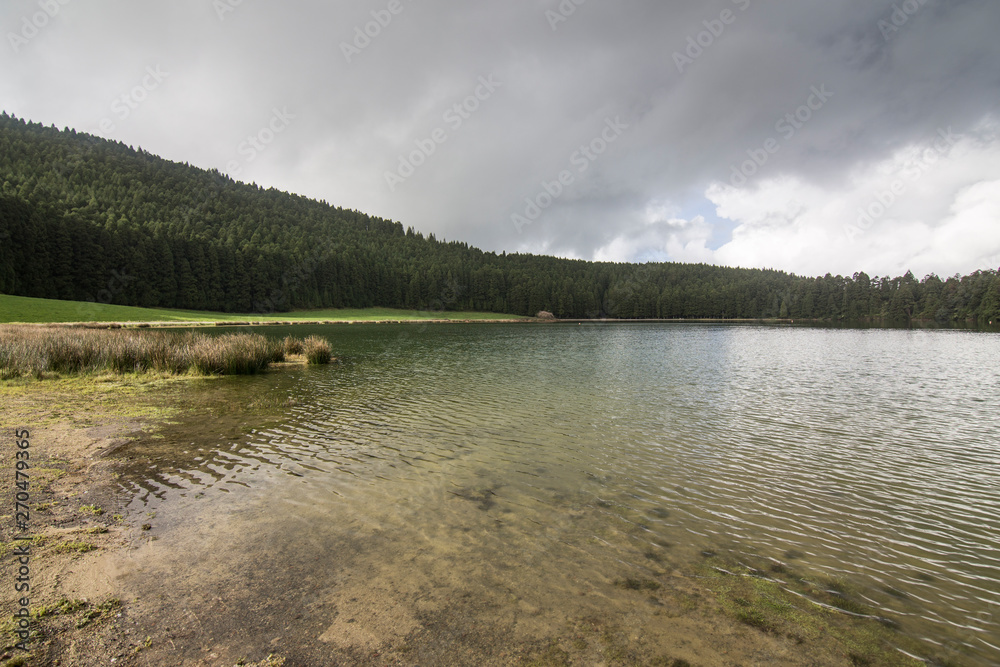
(461, 493)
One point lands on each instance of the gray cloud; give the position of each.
(893, 87)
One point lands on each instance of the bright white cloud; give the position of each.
(660, 236)
(929, 208)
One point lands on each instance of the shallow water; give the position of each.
(509, 474)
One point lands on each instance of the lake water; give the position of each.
(491, 483)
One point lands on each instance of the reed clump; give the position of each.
(292, 345)
(27, 351)
(317, 350)
(233, 354)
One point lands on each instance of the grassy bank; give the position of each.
(28, 310)
(27, 351)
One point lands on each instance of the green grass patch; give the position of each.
(83, 610)
(73, 547)
(64, 606)
(101, 397)
(42, 478)
(31, 310)
(8, 547)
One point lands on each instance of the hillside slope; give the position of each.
(86, 219)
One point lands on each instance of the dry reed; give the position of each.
(36, 350)
(317, 350)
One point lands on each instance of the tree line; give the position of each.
(87, 219)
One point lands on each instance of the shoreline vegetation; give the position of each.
(44, 352)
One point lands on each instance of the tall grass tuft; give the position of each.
(292, 345)
(232, 354)
(317, 350)
(35, 350)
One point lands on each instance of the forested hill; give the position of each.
(83, 218)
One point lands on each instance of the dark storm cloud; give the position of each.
(365, 90)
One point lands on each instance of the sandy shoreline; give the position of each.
(76, 515)
(83, 534)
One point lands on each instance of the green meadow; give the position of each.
(29, 310)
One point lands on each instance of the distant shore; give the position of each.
(258, 323)
(174, 324)
(180, 324)
(34, 311)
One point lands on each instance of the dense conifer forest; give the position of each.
(83, 218)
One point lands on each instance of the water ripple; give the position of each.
(873, 454)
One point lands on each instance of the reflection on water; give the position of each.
(525, 463)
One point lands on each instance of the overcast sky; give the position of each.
(812, 136)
